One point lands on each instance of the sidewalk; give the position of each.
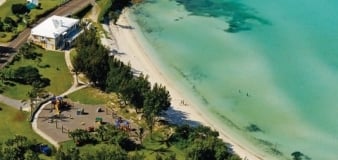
(15, 103)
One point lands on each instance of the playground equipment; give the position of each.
(59, 104)
(98, 121)
(122, 124)
(80, 111)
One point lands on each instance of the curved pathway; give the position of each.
(75, 87)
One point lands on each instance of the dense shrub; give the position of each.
(19, 9)
(10, 21)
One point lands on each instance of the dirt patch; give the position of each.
(19, 116)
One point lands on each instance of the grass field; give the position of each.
(6, 36)
(15, 123)
(73, 54)
(45, 5)
(57, 72)
(89, 96)
(5, 9)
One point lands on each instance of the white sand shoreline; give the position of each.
(136, 54)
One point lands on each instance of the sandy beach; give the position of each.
(126, 39)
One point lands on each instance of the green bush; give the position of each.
(19, 9)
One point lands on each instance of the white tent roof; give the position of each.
(54, 26)
(36, 2)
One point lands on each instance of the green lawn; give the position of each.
(57, 72)
(6, 36)
(89, 96)
(73, 54)
(15, 123)
(5, 9)
(45, 5)
(16, 90)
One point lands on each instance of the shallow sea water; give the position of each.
(268, 65)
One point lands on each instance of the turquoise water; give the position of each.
(268, 64)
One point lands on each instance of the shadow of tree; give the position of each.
(178, 117)
(125, 26)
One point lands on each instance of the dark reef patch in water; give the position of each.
(270, 147)
(226, 120)
(237, 15)
(253, 128)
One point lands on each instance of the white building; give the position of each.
(55, 33)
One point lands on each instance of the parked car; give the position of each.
(42, 148)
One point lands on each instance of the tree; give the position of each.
(69, 154)
(27, 51)
(137, 156)
(26, 75)
(210, 148)
(106, 151)
(140, 86)
(10, 21)
(119, 5)
(27, 19)
(92, 58)
(77, 64)
(60, 154)
(19, 9)
(15, 148)
(1, 25)
(156, 101)
(74, 154)
(202, 143)
(7, 73)
(80, 136)
(30, 155)
(101, 133)
(171, 156)
(118, 74)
